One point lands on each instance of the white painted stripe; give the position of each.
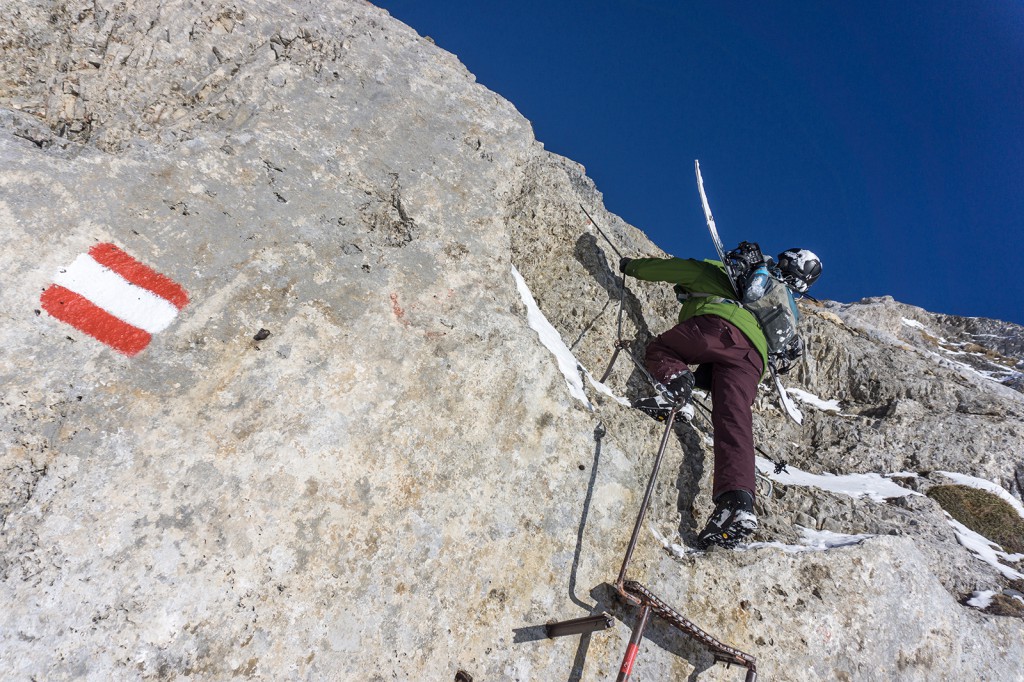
(126, 301)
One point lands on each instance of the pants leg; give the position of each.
(671, 353)
(735, 368)
(733, 390)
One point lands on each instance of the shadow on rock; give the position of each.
(599, 434)
(658, 632)
(592, 258)
(691, 471)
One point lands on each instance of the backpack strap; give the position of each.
(683, 296)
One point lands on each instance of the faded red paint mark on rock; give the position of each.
(398, 310)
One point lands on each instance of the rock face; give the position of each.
(396, 481)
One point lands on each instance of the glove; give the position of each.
(623, 264)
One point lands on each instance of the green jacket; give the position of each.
(702, 277)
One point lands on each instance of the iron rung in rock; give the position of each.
(579, 626)
(722, 652)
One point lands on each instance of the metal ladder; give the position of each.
(648, 602)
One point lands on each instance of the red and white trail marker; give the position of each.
(114, 298)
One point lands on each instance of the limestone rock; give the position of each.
(396, 483)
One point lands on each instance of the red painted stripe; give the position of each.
(84, 315)
(630, 659)
(139, 274)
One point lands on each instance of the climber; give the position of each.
(727, 343)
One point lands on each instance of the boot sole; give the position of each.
(727, 538)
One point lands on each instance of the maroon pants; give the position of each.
(735, 373)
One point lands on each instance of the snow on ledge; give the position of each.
(981, 599)
(552, 340)
(603, 388)
(814, 401)
(946, 357)
(811, 541)
(825, 539)
(985, 549)
(875, 486)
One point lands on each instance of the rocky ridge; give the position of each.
(396, 483)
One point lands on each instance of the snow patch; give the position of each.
(981, 599)
(662, 540)
(814, 401)
(985, 549)
(603, 388)
(825, 539)
(875, 486)
(947, 357)
(551, 339)
(674, 548)
(951, 363)
(781, 546)
(811, 541)
(788, 405)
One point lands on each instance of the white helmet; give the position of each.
(800, 268)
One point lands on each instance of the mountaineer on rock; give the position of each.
(727, 341)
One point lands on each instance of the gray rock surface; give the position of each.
(396, 483)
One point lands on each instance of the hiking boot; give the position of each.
(659, 408)
(732, 520)
(681, 386)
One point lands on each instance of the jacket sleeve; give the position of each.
(674, 270)
(694, 276)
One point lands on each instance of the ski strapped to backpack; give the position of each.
(778, 311)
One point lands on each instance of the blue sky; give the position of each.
(887, 137)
